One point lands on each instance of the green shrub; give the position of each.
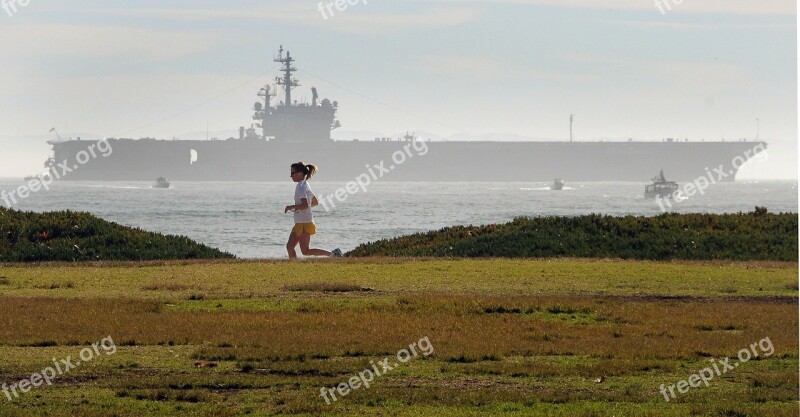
(741, 236)
(76, 236)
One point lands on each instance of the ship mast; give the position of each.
(286, 81)
(570, 128)
(263, 111)
(758, 129)
(266, 93)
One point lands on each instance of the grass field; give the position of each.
(507, 337)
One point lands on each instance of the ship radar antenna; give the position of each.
(267, 93)
(53, 130)
(287, 81)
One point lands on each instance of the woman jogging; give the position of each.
(304, 225)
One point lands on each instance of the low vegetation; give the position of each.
(744, 236)
(75, 236)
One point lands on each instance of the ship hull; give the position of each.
(249, 160)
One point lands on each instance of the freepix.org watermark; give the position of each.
(60, 367)
(367, 376)
(56, 172)
(375, 172)
(11, 6)
(707, 374)
(664, 5)
(340, 5)
(713, 176)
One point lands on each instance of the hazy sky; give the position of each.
(625, 68)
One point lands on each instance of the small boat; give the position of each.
(660, 187)
(161, 182)
(558, 184)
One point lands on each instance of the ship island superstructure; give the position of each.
(289, 120)
(286, 131)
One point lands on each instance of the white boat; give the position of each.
(660, 187)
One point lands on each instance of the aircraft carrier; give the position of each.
(285, 132)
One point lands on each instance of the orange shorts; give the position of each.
(300, 228)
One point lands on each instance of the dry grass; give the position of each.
(471, 326)
(511, 337)
(168, 287)
(326, 287)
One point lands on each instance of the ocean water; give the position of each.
(247, 219)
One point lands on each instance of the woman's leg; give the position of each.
(305, 241)
(293, 240)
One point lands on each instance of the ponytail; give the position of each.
(307, 170)
(310, 171)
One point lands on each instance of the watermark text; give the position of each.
(374, 172)
(55, 172)
(60, 367)
(339, 5)
(720, 366)
(367, 376)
